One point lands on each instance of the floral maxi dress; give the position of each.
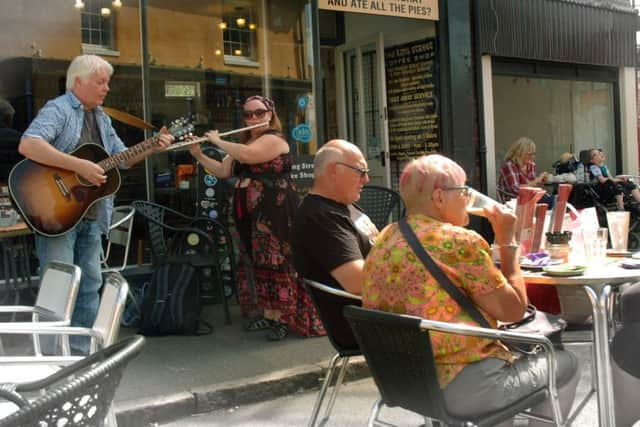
(265, 200)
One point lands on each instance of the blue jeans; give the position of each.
(80, 246)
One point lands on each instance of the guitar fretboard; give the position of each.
(142, 147)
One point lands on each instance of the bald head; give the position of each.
(336, 150)
(336, 171)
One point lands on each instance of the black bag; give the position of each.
(172, 303)
(534, 321)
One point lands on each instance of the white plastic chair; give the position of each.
(58, 289)
(120, 232)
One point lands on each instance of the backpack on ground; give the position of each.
(172, 302)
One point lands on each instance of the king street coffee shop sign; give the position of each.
(419, 9)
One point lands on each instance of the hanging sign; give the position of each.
(418, 9)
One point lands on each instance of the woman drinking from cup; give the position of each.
(436, 197)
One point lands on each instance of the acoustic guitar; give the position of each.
(53, 201)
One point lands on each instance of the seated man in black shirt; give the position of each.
(331, 237)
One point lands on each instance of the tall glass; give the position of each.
(618, 229)
(478, 201)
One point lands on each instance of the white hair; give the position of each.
(325, 156)
(85, 65)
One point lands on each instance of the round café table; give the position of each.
(597, 282)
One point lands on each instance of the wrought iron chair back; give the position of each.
(79, 394)
(380, 203)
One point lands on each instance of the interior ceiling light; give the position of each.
(79, 4)
(237, 52)
(117, 3)
(222, 25)
(252, 26)
(218, 52)
(241, 22)
(105, 11)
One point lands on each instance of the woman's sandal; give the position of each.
(278, 331)
(258, 324)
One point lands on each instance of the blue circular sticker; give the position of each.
(213, 214)
(210, 180)
(302, 133)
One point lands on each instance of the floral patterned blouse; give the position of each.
(397, 281)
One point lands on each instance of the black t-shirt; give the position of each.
(327, 234)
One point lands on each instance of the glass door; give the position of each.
(362, 104)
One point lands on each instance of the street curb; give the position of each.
(150, 411)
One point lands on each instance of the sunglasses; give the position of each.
(258, 114)
(362, 171)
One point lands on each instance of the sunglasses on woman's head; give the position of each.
(258, 114)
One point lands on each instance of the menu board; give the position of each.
(412, 99)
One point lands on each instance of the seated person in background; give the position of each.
(519, 168)
(565, 169)
(434, 192)
(608, 187)
(331, 236)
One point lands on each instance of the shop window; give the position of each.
(239, 35)
(97, 24)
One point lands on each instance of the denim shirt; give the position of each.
(59, 122)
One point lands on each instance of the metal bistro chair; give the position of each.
(59, 284)
(330, 302)
(79, 394)
(120, 232)
(103, 333)
(379, 203)
(202, 237)
(399, 354)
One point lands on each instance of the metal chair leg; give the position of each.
(334, 393)
(373, 418)
(323, 390)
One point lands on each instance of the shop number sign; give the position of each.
(418, 9)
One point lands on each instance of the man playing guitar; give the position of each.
(62, 125)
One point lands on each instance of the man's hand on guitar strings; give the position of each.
(92, 172)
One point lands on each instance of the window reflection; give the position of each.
(186, 45)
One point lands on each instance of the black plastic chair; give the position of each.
(79, 394)
(400, 357)
(379, 203)
(204, 243)
(330, 302)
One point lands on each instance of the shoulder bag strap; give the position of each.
(439, 275)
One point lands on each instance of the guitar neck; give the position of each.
(145, 146)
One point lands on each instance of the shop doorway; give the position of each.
(369, 102)
(362, 103)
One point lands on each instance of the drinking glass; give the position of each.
(595, 245)
(618, 229)
(478, 201)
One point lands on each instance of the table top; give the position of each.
(609, 272)
(19, 229)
